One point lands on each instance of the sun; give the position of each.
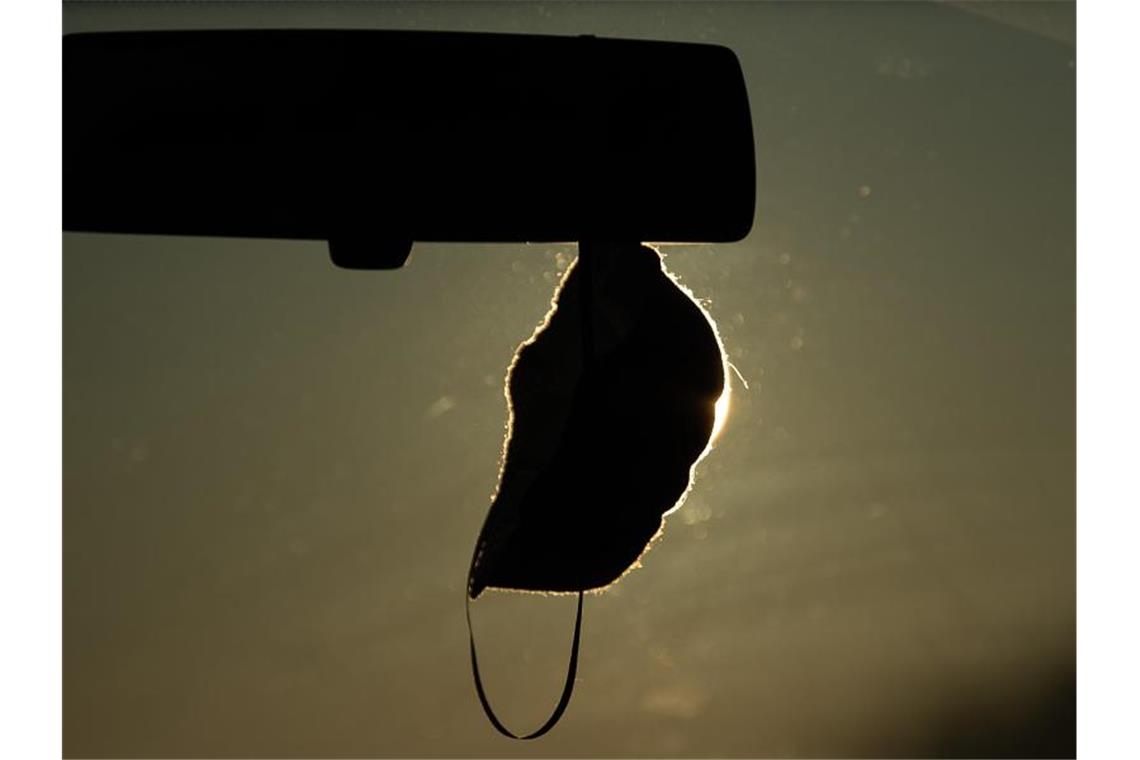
(721, 416)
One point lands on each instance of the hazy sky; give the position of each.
(275, 471)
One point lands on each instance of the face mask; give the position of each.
(613, 401)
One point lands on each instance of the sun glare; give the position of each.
(721, 414)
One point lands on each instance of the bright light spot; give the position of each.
(721, 414)
(679, 701)
(440, 407)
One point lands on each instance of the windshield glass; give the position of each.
(275, 470)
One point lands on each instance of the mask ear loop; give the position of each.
(585, 301)
(567, 689)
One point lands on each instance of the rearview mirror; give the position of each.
(374, 139)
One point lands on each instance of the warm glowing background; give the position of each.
(275, 470)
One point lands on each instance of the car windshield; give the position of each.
(275, 470)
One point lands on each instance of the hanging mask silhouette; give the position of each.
(613, 401)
